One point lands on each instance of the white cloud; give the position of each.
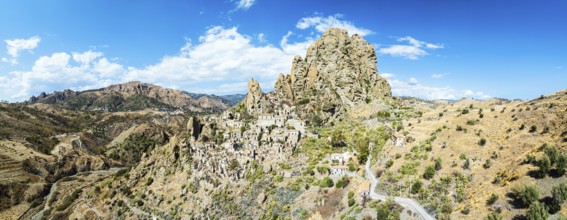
(261, 38)
(221, 62)
(57, 72)
(221, 54)
(387, 75)
(413, 88)
(413, 51)
(321, 24)
(14, 47)
(438, 76)
(86, 57)
(298, 48)
(244, 4)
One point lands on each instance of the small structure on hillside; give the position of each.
(338, 170)
(398, 139)
(340, 158)
(266, 119)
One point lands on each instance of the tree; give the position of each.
(537, 211)
(559, 193)
(429, 172)
(326, 182)
(558, 197)
(482, 142)
(416, 187)
(527, 195)
(544, 165)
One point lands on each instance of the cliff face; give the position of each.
(339, 73)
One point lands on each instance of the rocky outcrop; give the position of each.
(194, 127)
(338, 73)
(254, 98)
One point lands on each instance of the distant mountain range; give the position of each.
(133, 96)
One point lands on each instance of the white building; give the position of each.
(338, 170)
(340, 158)
(266, 119)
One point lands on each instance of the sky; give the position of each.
(444, 49)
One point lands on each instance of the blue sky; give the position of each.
(429, 49)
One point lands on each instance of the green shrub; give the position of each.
(561, 164)
(438, 161)
(389, 163)
(530, 159)
(351, 202)
(303, 101)
(326, 182)
(493, 216)
(552, 153)
(69, 200)
(537, 211)
(342, 182)
(409, 168)
(150, 181)
(526, 195)
(416, 187)
(559, 193)
(467, 164)
(487, 164)
(533, 129)
(492, 199)
(472, 122)
(429, 172)
(482, 142)
(544, 165)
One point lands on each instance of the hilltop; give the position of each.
(134, 96)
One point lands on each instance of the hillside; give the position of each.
(330, 142)
(134, 96)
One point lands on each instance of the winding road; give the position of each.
(406, 202)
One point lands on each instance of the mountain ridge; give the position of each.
(135, 95)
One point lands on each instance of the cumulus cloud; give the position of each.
(77, 71)
(244, 4)
(220, 62)
(321, 24)
(413, 50)
(414, 88)
(221, 54)
(14, 47)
